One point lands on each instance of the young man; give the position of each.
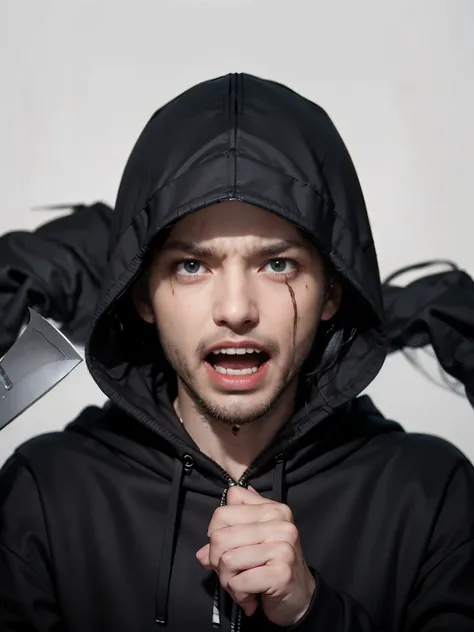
(235, 480)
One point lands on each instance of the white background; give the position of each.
(79, 80)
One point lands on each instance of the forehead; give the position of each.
(234, 220)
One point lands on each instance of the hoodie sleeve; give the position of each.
(57, 270)
(436, 310)
(27, 596)
(442, 599)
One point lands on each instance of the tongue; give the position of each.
(247, 361)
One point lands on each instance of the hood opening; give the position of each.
(133, 346)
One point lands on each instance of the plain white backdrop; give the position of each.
(80, 79)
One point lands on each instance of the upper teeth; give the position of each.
(235, 350)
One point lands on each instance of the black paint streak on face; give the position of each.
(172, 284)
(295, 310)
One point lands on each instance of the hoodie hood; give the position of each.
(236, 137)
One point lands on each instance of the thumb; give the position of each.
(261, 499)
(241, 496)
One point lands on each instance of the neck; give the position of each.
(233, 451)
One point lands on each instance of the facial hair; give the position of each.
(233, 417)
(228, 416)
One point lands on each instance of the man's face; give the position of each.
(237, 294)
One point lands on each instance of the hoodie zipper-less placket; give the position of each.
(236, 610)
(236, 615)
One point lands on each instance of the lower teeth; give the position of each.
(221, 369)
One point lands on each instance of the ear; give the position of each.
(142, 303)
(332, 300)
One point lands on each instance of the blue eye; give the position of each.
(281, 266)
(188, 267)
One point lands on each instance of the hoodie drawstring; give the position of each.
(169, 538)
(278, 491)
(181, 467)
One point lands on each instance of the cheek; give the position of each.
(179, 321)
(167, 315)
(310, 304)
(278, 313)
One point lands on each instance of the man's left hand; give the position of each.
(255, 549)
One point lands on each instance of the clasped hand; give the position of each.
(254, 547)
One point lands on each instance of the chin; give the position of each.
(233, 403)
(237, 409)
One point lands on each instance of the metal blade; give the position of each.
(41, 357)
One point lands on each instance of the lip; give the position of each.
(242, 344)
(236, 383)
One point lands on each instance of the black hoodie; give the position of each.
(100, 524)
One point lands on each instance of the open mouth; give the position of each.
(236, 361)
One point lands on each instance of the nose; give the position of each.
(234, 303)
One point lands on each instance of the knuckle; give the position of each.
(233, 493)
(291, 532)
(275, 512)
(217, 537)
(285, 574)
(227, 560)
(218, 513)
(287, 513)
(234, 584)
(287, 552)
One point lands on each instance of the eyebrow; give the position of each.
(270, 250)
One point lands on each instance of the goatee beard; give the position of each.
(210, 411)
